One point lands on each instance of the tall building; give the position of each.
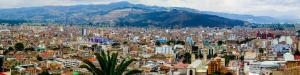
(211, 52)
(84, 32)
(189, 40)
(214, 66)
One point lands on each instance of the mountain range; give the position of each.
(127, 14)
(249, 18)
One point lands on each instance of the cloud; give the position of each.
(275, 8)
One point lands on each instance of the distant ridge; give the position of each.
(13, 21)
(177, 17)
(117, 14)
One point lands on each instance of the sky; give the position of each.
(273, 8)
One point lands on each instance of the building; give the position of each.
(84, 32)
(214, 66)
(165, 49)
(196, 68)
(292, 68)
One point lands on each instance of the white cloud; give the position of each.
(275, 8)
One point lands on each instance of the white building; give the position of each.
(287, 39)
(196, 68)
(288, 57)
(165, 49)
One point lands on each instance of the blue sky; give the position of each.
(274, 8)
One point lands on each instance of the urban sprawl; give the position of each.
(79, 50)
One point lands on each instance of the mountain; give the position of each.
(12, 21)
(178, 17)
(119, 13)
(249, 18)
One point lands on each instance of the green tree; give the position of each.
(227, 60)
(109, 65)
(94, 46)
(220, 43)
(19, 46)
(157, 43)
(297, 52)
(55, 48)
(215, 55)
(171, 42)
(199, 55)
(228, 73)
(242, 58)
(187, 58)
(2, 48)
(29, 49)
(125, 42)
(39, 58)
(261, 50)
(180, 42)
(209, 56)
(216, 73)
(116, 45)
(45, 73)
(10, 48)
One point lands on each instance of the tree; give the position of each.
(94, 46)
(297, 53)
(199, 55)
(10, 48)
(109, 65)
(55, 48)
(84, 47)
(157, 43)
(228, 58)
(220, 43)
(19, 46)
(29, 49)
(2, 48)
(45, 73)
(180, 42)
(261, 50)
(116, 45)
(215, 55)
(125, 42)
(242, 58)
(228, 73)
(209, 56)
(187, 58)
(170, 42)
(216, 73)
(39, 58)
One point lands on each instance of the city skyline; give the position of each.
(149, 37)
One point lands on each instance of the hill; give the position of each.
(117, 14)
